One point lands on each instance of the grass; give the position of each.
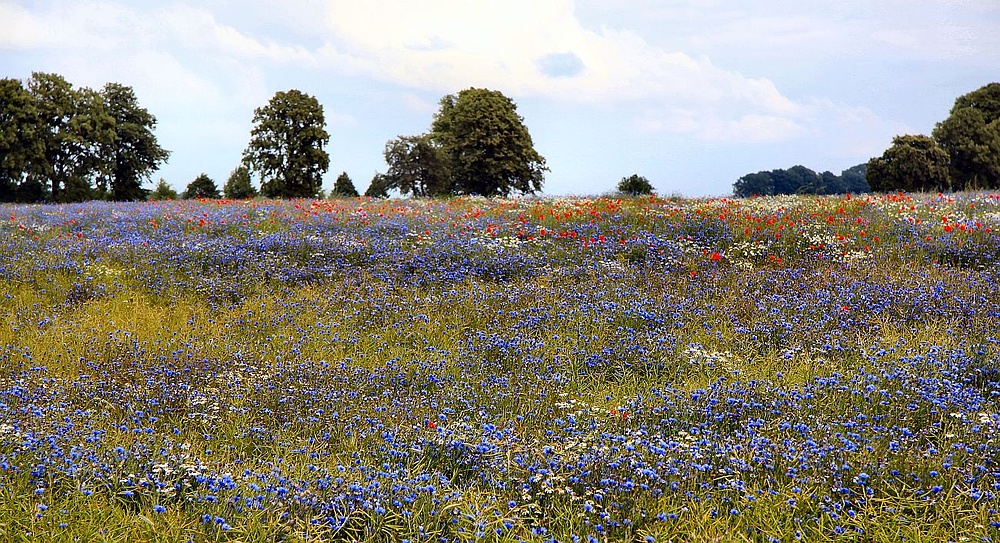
(501, 370)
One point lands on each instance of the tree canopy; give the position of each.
(134, 153)
(487, 148)
(802, 180)
(286, 148)
(912, 163)
(66, 144)
(20, 146)
(971, 137)
(416, 166)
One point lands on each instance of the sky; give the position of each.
(691, 94)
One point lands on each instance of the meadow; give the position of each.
(535, 369)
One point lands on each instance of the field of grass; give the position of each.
(772, 369)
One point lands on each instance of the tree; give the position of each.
(238, 186)
(826, 182)
(801, 180)
(56, 104)
(971, 137)
(134, 153)
(487, 147)
(912, 163)
(635, 185)
(855, 179)
(19, 143)
(75, 130)
(378, 188)
(754, 184)
(417, 166)
(343, 187)
(163, 191)
(201, 187)
(286, 146)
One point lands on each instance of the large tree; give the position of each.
(134, 153)
(971, 137)
(416, 165)
(286, 146)
(19, 142)
(68, 144)
(56, 104)
(488, 149)
(912, 163)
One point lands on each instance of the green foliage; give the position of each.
(286, 146)
(74, 128)
(913, 163)
(343, 187)
(238, 186)
(134, 153)
(754, 184)
(635, 185)
(417, 166)
(163, 191)
(378, 188)
(971, 137)
(855, 179)
(201, 187)
(19, 144)
(69, 144)
(802, 180)
(488, 149)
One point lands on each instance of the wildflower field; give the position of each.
(767, 369)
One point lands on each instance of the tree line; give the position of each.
(962, 152)
(64, 144)
(802, 180)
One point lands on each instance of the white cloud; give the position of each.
(214, 56)
(447, 45)
(19, 28)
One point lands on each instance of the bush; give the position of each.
(163, 191)
(201, 187)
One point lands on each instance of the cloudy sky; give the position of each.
(691, 94)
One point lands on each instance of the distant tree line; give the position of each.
(802, 180)
(962, 153)
(64, 144)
